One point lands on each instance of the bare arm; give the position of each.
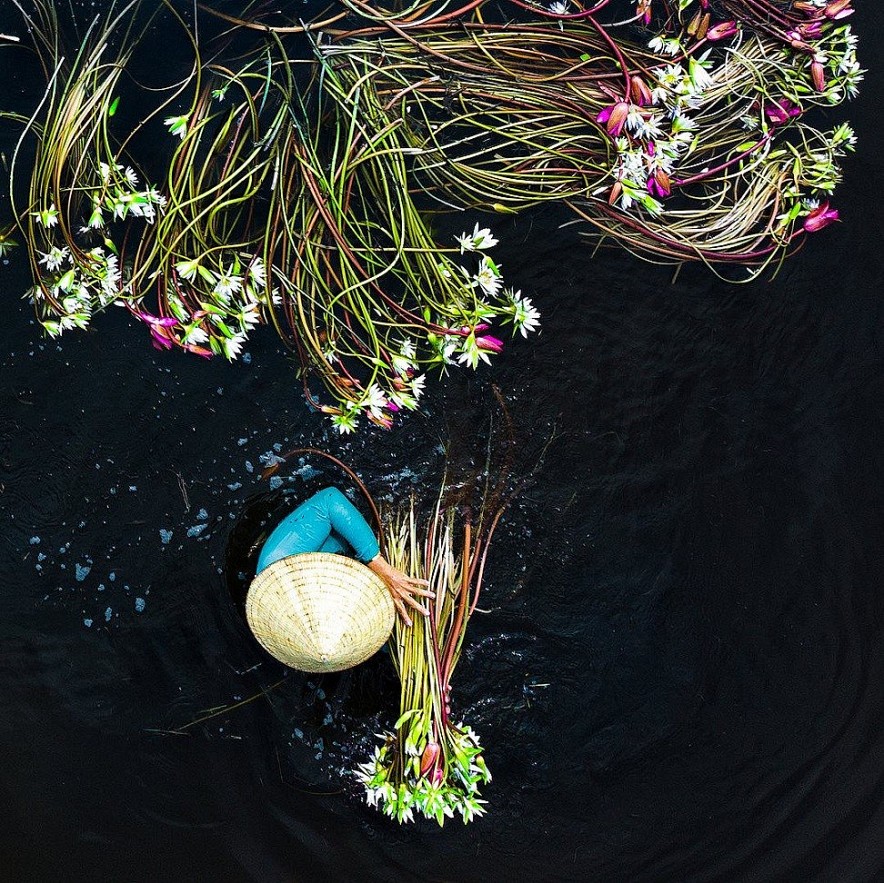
(402, 588)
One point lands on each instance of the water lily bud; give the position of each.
(438, 777)
(489, 343)
(818, 73)
(614, 117)
(810, 29)
(838, 9)
(199, 351)
(659, 184)
(641, 94)
(614, 195)
(382, 420)
(699, 24)
(429, 757)
(721, 31)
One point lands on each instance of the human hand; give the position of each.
(403, 589)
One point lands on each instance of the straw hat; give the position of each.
(319, 612)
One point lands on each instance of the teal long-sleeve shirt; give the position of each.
(327, 522)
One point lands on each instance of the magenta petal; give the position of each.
(492, 344)
(604, 114)
(820, 217)
(160, 341)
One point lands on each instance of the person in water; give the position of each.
(329, 522)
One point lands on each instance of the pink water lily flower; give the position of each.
(820, 217)
(782, 111)
(614, 117)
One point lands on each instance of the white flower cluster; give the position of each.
(229, 293)
(440, 797)
(467, 342)
(654, 138)
(77, 287)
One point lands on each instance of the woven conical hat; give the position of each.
(319, 612)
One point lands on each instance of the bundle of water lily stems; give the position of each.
(431, 765)
(302, 167)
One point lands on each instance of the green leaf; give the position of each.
(404, 717)
(67, 280)
(113, 106)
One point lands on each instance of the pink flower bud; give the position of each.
(429, 757)
(159, 321)
(159, 339)
(659, 184)
(818, 73)
(198, 350)
(489, 343)
(438, 777)
(614, 117)
(641, 94)
(810, 29)
(838, 9)
(721, 31)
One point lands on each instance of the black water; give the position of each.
(680, 676)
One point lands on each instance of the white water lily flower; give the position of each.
(403, 361)
(177, 125)
(130, 176)
(403, 400)
(525, 316)
(699, 75)
(345, 423)
(55, 258)
(258, 272)
(187, 270)
(470, 353)
(232, 346)
(96, 219)
(48, 217)
(417, 385)
(664, 45)
(227, 285)
(249, 316)
(374, 400)
(559, 7)
(488, 278)
(156, 197)
(195, 335)
(479, 240)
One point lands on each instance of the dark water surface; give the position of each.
(680, 676)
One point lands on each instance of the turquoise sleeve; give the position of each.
(319, 524)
